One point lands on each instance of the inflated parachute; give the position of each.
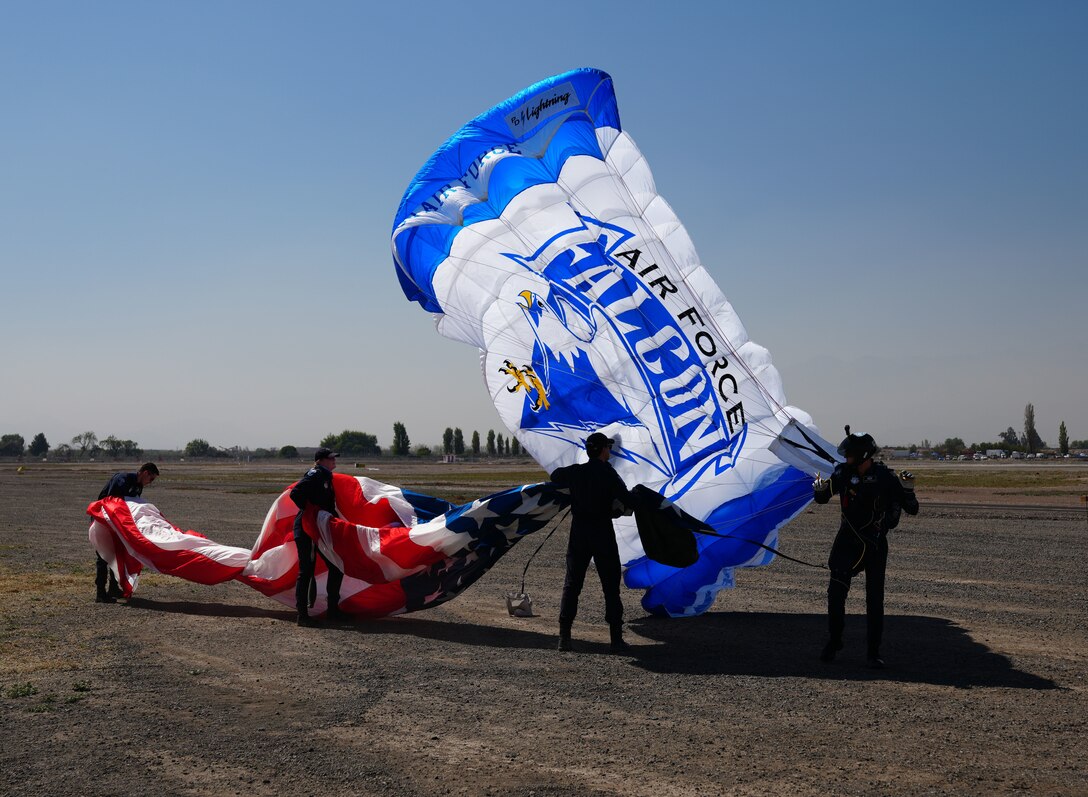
(399, 551)
(536, 234)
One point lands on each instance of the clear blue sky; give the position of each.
(196, 200)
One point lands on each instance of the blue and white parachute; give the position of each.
(536, 234)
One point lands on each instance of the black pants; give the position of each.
(306, 562)
(603, 551)
(850, 556)
(101, 572)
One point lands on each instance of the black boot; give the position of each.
(114, 591)
(617, 644)
(565, 642)
(305, 621)
(830, 649)
(873, 660)
(101, 596)
(334, 615)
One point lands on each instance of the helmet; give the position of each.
(859, 446)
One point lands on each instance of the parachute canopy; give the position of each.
(399, 551)
(536, 234)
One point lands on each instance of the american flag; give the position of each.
(400, 551)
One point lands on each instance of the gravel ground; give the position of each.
(213, 690)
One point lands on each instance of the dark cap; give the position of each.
(325, 453)
(596, 442)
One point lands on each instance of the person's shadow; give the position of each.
(917, 649)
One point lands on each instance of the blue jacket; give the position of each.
(122, 485)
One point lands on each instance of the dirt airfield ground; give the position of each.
(195, 690)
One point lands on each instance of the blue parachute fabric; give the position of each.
(682, 592)
(459, 162)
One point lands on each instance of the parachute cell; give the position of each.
(536, 234)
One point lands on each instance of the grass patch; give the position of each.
(21, 690)
(1018, 480)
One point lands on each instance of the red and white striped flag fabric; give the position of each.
(399, 551)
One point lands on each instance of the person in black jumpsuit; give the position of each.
(315, 487)
(871, 497)
(595, 487)
(120, 485)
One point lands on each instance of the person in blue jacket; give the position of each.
(871, 498)
(315, 487)
(120, 485)
(596, 493)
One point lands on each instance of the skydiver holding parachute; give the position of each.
(871, 496)
(315, 487)
(595, 488)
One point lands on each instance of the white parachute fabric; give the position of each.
(536, 234)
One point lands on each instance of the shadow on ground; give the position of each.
(928, 650)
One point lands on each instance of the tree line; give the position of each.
(363, 444)
(348, 442)
(1028, 441)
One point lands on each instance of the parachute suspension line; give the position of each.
(627, 389)
(653, 237)
(775, 551)
(557, 522)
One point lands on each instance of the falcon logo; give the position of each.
(526, 378)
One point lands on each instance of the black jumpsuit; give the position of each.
(315, 487)
(121, 485)
(594, 486)
(869, 502)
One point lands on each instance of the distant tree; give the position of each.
(39, 445)
(401, 444)
(1032, 442)
(86, 442)
(62, 452)
(11, 445)
(1078, 443)
(491, 442)
(1063, 439)
(351, 441)
(516, 445)
(953, 446)
(913, 448)
(506, 452)
(447, 441)
(475, 444)
(198, 447)
(1010, 438)
(500, 445)
(458, 442)
(423, 451)
(288, 452)
(112, 446)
